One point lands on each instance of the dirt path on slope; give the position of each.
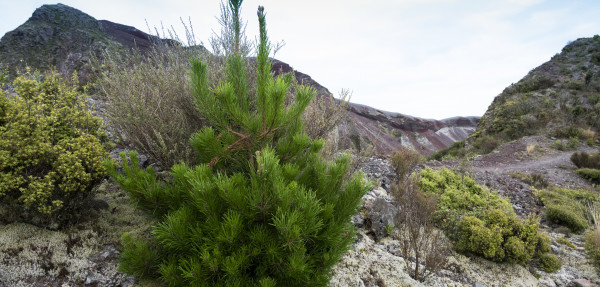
(494, 170)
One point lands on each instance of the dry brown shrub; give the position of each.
(419, 239)
(404, 162)
(589, 134)
(530, 148)
(150, 103)
(324, 114)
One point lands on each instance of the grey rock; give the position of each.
(108, 253)
(582, 283)
(381, 214)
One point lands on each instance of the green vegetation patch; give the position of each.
(482, 223)
(460, 193)
(457, 149)
(51, 151)
(592, 246)
(593, 175)
(567, 206)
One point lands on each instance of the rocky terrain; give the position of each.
(558, 94)
(375, 260)
(86, 254)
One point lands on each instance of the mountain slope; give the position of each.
(55, 35)
(66, 38)
(559, 97)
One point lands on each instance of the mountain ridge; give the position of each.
(67, 38)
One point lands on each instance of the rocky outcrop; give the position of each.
(56, 36)
(132, 38)
(559, 94)
(65, 38)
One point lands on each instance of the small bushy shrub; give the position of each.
(566, 216)
(559, 145)
(566, 206)
(536, 180)
(502, 238)
(566, 242)
(481, 222)
(461, 193)
(404, 162)
(549, 263)
(586, 160)
(592, 238)
(593, 175)
(456, 150)
(485, 144)
(573, 143)
(51, 151)
(569, 132)
(475, 237)
(592, 246)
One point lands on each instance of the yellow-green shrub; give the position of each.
(479, 239)
(502, 238)
(51, 151)
(481, 222)
(458, 192)
(549, 263)
(566, 206)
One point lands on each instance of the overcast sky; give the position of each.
(425, 58)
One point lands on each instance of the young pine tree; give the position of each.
(262, 208)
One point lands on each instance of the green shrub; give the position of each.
(456, 150)
(515, 250)
(261, 208)
(592, 246)
(485, 144)
(51, 151)
(569, 132)
(585, 160)
(536, 180)
(564, 215)
(559, 145)
(573, 143)
(566, 242)
(566, 206)
(461, 193)
(593, 175)
(481, 222)
(549, 263)
(502, 238)
(475, 237)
